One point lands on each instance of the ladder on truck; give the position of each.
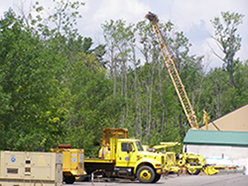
(174, 75)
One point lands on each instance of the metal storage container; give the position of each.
(30, 168)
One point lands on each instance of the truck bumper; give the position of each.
(160, 171)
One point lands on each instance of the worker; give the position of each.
(108, 151)
(104, 151)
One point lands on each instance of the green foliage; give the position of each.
(89, 89)
(55, 88)
(30, 77)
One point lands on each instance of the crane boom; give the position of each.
(174, 75)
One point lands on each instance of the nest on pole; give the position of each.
(152, 17)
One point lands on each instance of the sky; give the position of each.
(190, 16)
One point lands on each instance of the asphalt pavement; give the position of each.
(220, 179)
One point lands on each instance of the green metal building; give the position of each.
(217, 143)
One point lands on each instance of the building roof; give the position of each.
(236, 120)
(226, 138)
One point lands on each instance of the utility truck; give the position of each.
(122, 157)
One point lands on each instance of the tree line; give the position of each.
(57, 88)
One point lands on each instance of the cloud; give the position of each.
(99, 11)
(129, 10)
(185, 13)
(191, 16)
(5, 5)
(198, 32)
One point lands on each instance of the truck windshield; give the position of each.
(139, 146)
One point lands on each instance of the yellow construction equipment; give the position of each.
(173, 72)
(192, 163)
(206, 118)
(73, 162)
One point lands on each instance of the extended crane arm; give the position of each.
(174, 75)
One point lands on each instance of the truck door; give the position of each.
(126, 154)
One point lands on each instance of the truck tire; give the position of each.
(69, 179)
(157, 177)
(146, 174)
(193, 171)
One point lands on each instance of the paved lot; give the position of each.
(221, 179)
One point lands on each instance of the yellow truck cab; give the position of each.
(127, 159)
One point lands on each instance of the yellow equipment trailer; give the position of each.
(73, 162)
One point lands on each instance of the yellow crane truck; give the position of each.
(193, 163)
(122, 157)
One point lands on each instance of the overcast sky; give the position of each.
(190, 16)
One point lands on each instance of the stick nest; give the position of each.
(152, 17)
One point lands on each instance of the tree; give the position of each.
(92, 108)
(228, 85)
(31, 78)
(119, 37)
(38, 87)
(228, 40)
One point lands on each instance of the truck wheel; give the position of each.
(157, 177)
(69, 179)
(146, 174)
(83, 178)
(193, 171)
